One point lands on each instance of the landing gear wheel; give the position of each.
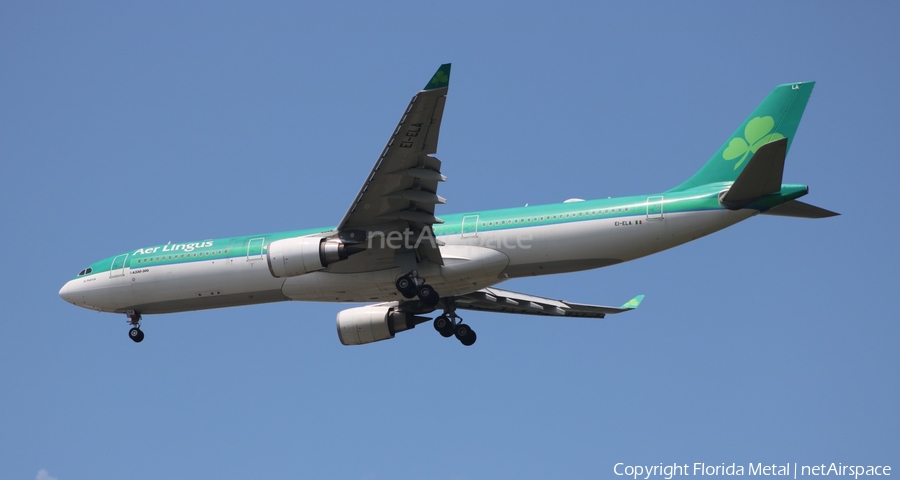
(428, 295)
(465, 335)
(406, 286)
(136, 334)
(444, 326)
(134, 319)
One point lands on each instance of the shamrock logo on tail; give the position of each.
(439, 78)
(756, 134)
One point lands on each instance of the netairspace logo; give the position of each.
(789, 470)
(410, 240)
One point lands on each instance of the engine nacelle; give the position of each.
(299, 255)
(372, 323)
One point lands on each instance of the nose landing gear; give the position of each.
(134, 319)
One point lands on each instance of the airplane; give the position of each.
(391, 249)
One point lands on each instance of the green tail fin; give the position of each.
(776, 117)
(440, 79)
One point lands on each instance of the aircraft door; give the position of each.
(117, 269)
(469, 226)
(254, 249)
(655, 208)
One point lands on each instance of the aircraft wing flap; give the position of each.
(504, 301)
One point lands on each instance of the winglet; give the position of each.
(633, 303)
(441, 78)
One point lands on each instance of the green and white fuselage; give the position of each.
(514, 242)
(391, 232)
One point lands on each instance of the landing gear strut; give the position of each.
(134, 319)
(448, 324)
(409, 286)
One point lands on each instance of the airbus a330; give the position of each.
(390, 247)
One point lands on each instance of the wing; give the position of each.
(400, 192)
(503, 301)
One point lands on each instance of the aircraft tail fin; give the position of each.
(777, 117)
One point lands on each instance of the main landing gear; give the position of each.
(409, 286)
(448, 324)
(134, 319)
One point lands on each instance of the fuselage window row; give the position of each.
(183, 255)
(541, 219)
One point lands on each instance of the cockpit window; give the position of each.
(81, 272)
(86, 271)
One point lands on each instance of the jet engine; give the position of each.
(299, 255)
(372, 323)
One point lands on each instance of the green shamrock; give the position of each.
(757, 134)
(634, 302)
(439, 78)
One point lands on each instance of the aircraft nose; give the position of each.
(66, 293)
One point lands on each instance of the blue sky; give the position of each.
(129, 125)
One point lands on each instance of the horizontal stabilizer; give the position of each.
(760, 177)
(798, 209)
